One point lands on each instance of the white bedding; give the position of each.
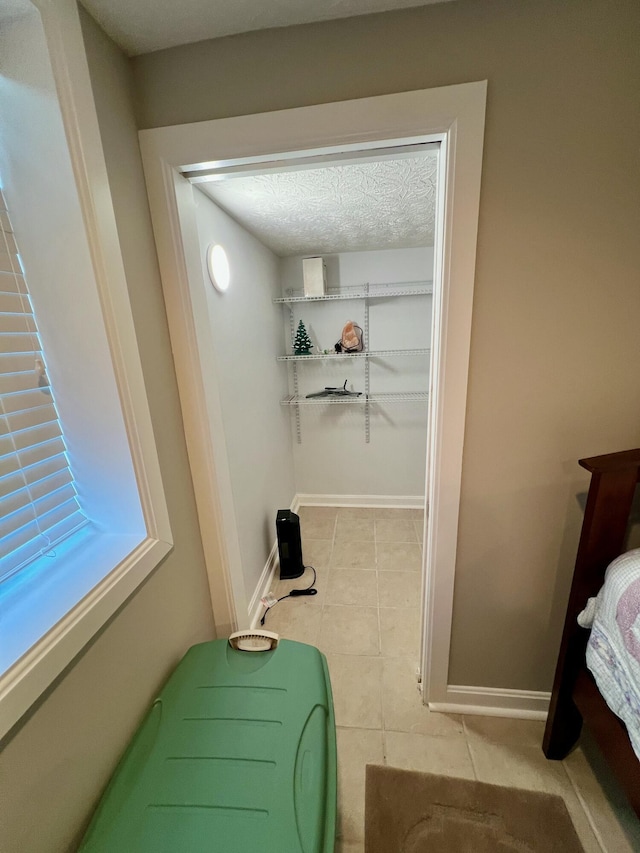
(613, 650)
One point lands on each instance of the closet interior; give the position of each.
(283, 439)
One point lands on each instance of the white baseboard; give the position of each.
(494, 702)
(267, 577)
(399, 501)
(265, 582)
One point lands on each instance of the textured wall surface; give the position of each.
(555, 346)
(245, 327)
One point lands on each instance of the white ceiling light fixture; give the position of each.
(218, 266)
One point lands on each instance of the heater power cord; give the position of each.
(294, 593)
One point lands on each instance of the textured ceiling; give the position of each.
(376, 205)
(142, 26)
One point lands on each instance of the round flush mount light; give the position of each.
(218, 266)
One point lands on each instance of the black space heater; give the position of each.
(289, 544)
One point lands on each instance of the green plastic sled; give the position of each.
(237, 755)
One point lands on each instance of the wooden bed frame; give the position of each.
(575, 697)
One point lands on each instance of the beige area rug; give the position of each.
(409, 812)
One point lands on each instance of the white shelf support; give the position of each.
(296, 389)
(367, 373)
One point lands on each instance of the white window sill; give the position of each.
(51, 610)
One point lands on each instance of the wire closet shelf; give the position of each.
(411, 397)
(380, 353)
(366, 291)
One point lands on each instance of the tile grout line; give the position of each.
(378, 656)
(329, 572)
(381, 682)
(585, 808)
(469, 750)
(375, 558)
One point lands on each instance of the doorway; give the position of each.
(454, 118)
(368, 223)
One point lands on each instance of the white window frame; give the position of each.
(452, 115)
(24, 682)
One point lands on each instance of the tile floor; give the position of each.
(365, 618)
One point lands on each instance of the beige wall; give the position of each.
(555, 346)
(53, 768)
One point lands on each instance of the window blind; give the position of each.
(38, 499)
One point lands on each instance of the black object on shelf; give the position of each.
(335, 392)
(289, 544)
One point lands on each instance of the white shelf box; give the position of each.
(314, 275)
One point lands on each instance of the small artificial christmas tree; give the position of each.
(302, 342)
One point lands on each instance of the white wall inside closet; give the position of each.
(247, 330)
(257, 452)
(333, 458)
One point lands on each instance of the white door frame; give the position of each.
(456, 115)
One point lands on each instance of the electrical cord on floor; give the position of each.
(294, 593)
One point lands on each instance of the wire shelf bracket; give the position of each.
(365, 292)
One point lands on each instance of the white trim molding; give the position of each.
(461, 123)
(68, 59)
(386, 501)
(452, 116)
(295, 504)
(265, 583)
(494, 702)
